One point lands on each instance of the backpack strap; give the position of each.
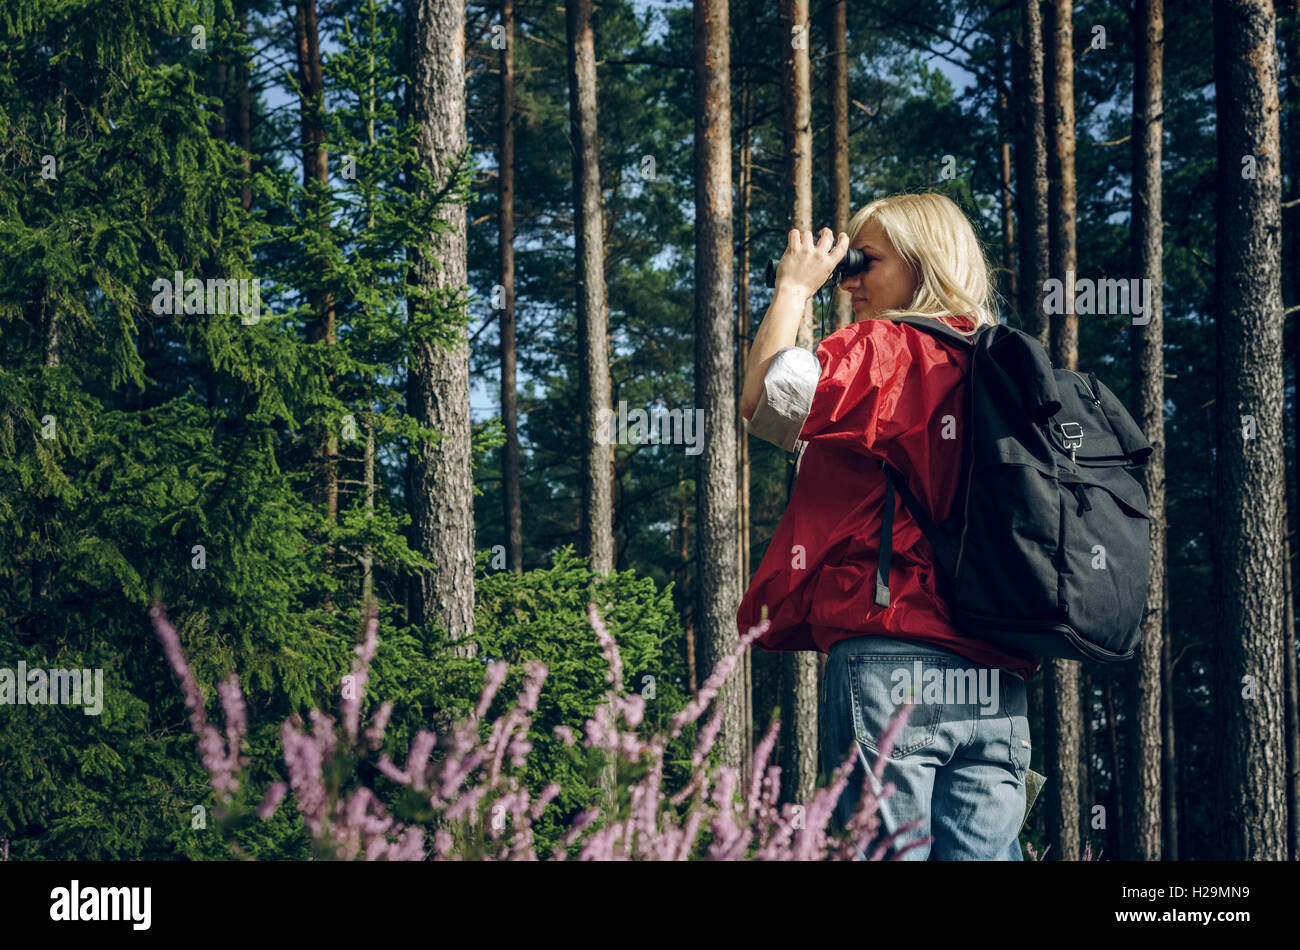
(886, 544)
(894, 482)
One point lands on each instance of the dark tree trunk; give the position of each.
(1063, 726)
(1031, 170)
(838, 57)
(514, 518)
(441, 484)
(1249, 474)
(593, 310)
(743, 318)
(1006, 132)
(799, 692)
(1142, 836)
(1167, 747)
(718, 594)
(316, 181)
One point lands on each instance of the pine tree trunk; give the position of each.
(1249, 472)
(742, 435)
(593, 312)
(514, 518)
(1006, 132)
(1118, 776)
(244, 118)
(441, 490)
(799, 694)
(688, 599)
(316, 181)
(796, 115)
(1292, 714)
(1168, 749)
(1063, 726)
(841, 300)
(1031, 169)
(718, 594)
(1142, 835)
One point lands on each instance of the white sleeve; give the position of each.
(787, 396)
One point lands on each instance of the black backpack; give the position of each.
(1047, 549)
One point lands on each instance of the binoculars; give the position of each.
(853, 262)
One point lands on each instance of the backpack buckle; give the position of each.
(1073, 438)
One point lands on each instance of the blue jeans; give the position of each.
(959, 763)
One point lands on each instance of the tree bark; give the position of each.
(799, 693)
(316, 181)
(1293, 252)
(441, 487)
(838, 56)
(514, 518)
(1249, 473)
(796, 115)
(718, 594)
(1062, 676)
(593, 312)
(1031, 170)
(1006, 132)
(743, 318)
(243, 118)
(1168, 749)
(1142, 836)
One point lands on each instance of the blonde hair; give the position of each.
(936, 240)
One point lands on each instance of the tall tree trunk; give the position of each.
(1031, 169)
(514, 518)
(1292, 252)
(1249, 474)
(1292, 715)
(441, 486)
(593, 312)
(1088, 761)
(1006, 132)
(1142, 836)
(688, 597)
(1168, 749)
(718, 594)
(838, 56)
(1118, 778)
(244, 117)
(1063, 726)
(799, 693)
(796, 115)
(316, 181)
(742, 435)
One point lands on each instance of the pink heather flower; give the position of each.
(274, 795)
(496, 675)
(375, 733)
(171, 643)
(417, 762)
(365, 651)
(564, 734)
(615, 676)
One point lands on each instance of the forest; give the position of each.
(370, 366)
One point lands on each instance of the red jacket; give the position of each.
(884, 391)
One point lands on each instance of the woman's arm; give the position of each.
(804, 267)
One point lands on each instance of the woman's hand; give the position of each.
(806, 265)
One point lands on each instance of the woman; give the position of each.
(877, 391)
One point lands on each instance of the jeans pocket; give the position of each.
(881, 685)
